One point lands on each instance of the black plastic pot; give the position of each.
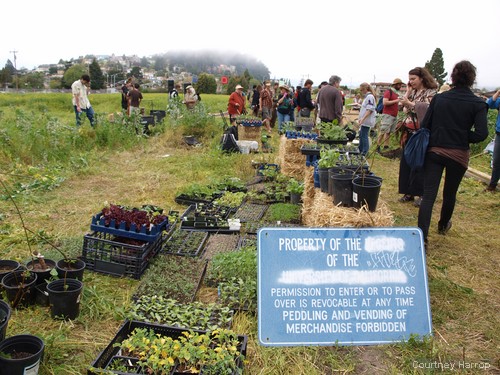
(7, 266)
(365, 190)
(336, 170)
(43, 275)
(32, 349)
(70, 269)
(4, 318)
(295, 198)
(64, 297)
(342, 188)
(323, 179)
(20, 287)
(42, 296)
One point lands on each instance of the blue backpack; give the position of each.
(416, 148)
(380, 105)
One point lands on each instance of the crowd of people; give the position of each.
(454, 115)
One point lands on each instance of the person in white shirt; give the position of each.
(81, 103)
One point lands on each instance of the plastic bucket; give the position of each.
(4, 318)
(336, 170)
(70, 269)
(20, 288)
(7, 266)
(31, 346)
(365, 190)
(342, 188)
(323, 179)
(64, 297)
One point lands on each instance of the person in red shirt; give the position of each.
(236, 104)
(389, 117)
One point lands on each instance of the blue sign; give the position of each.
(326, 286)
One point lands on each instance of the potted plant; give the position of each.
(328, 159)
(295, 188)
(64, 298)
(331, 133)
(19, 287)
(21, 355)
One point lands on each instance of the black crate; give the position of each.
(118, 256)
(128, 327)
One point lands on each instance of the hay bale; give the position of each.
(309, 190)
(290, 158)
(321, 212)
(249, 133)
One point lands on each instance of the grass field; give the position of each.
(60, 177)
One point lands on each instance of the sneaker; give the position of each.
(444, 230)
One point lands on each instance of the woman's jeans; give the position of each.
(88, 111)
(433, 170)
(364, 139)
(282, 118)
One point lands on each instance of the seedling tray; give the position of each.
(118, 256)
(186, 243)
(208, 210)
(250, 212)
(119, 229)
(128, 327)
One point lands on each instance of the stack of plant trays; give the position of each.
(123, 250)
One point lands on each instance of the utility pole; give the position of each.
(15, 68)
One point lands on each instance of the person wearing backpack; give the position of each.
(284, 105)
(389, 114)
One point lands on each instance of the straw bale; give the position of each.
(249, 133)
(290, 158)
(321, 212)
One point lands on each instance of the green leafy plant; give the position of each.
(331, 131)
(191, 352)
(229, 265)
(328, 158)
(295, 187)
(284, 212)
(194, 315)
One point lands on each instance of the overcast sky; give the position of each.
(363, 40)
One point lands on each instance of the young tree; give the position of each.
(206, 84)
(97, 80)
(72, 74)
(136, 72)
(436, 66)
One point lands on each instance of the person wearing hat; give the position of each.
(266, 104)
(389, 117)
(190, 97)
(284, 105)
(236, 104)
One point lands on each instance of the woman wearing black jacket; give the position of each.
(455, 118)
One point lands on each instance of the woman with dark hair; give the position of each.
(421, 89)
(455, 118)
